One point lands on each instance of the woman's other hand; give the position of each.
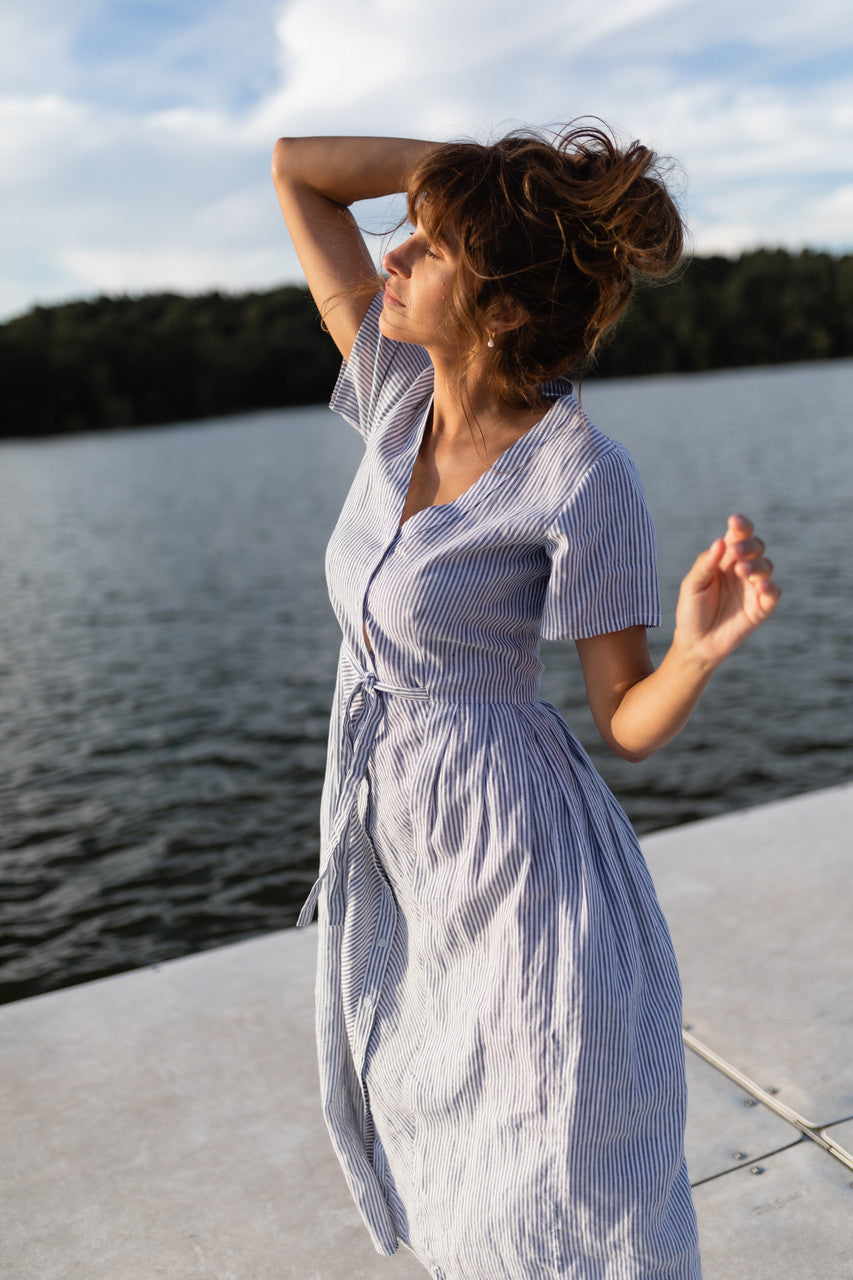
(726, 596)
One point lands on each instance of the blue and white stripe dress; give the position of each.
(499, 1008)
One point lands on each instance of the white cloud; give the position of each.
(36, 43)
(47, 130)
(185, 270)
(829, 218)
(727, 238)
(149, 168)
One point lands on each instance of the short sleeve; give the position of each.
(377, 375)
(603, 555)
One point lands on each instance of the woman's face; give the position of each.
(415, 306)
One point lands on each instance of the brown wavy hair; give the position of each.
(562, 227)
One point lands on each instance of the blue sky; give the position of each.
(135, 136)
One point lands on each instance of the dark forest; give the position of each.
(122, 361)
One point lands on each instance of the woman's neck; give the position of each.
(456, 413)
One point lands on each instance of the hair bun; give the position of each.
(563, 226)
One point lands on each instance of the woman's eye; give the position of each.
(430, 252)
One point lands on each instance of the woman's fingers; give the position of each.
(740, 551)
(705, 566)
(738, 527)
(748, 566)
(740, 541)
(758, 572)
(749, 548)
(767, 595)
(760, 567)
(728, 591)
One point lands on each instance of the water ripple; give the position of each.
(167, 656)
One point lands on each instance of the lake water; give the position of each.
(167, 654)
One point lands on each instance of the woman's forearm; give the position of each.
(344, 170)
(657, 707)
(316, 180)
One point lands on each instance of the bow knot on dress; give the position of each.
(359, 722)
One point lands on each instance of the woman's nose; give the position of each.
(394, 261)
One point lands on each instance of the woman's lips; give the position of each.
(389, 297)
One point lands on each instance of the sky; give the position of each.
(135, 135)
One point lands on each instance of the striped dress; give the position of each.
(499, 1008)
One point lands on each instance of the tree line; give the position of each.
(121, 361)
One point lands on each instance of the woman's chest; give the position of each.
(450, 570)
(445, 469)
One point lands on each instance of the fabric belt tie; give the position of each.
(356, 742)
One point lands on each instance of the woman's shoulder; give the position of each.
(576, 445)
(581, 469)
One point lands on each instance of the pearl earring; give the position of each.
(491, 341)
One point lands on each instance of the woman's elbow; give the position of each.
(626, 753)
(633, 753)
(281, 158)
(289, 158)
(633, 757)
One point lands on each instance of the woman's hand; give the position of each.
(727, 594)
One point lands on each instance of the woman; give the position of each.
(498, 1002)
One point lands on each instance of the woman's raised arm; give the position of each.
(316, 180)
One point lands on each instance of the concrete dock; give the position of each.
(164, 1124)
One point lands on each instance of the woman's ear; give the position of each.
(505, 314)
